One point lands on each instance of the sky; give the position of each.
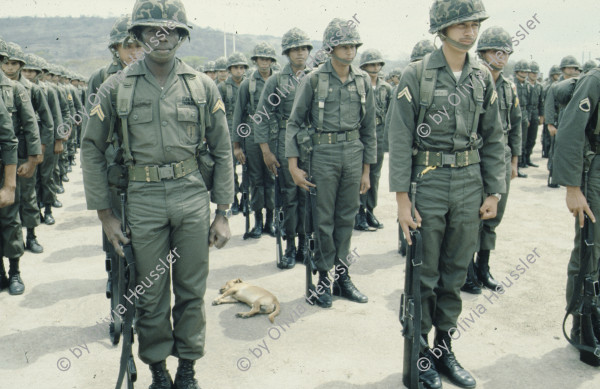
(392, 26)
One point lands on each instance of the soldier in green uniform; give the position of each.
(29, 210)
(494, 48)
(209, 70)
(17, 102)
(575, 151)
(338, 102)
(536, 112)
(46, 188)
(395, 76)
(276, 101)
(221, 69)
(372, 62)
(65, 79)
(172, 108)
(522, 71)
(421, 49)
(60, 172)
(236, 65)
(262, 182)
(589, 65)
(8, 173)
(552, 78)
(570, 69)
(452, 146)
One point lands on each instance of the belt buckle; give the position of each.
(166, 172)
(342, 136)
(448, 159)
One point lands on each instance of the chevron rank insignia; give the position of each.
(97, 110)
(218, 106)
(69, 97)
(584, 105)
(405, 93)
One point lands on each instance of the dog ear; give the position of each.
(238, 281)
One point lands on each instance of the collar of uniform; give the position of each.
(438, 60)
(4, 80)
(327, 67)
(25, 82)
(256, 74)
(114, 67)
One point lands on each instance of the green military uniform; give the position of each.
(578, 132)
(546, 141)
(524, 94)
(535, 110)
(168, 214)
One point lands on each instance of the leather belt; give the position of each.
(335, 137)
(171, 171)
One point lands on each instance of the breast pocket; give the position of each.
(188, 119)
(142, 133)
(354, 111)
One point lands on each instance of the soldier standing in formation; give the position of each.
(457, 160)
(221, 69)
(553, 76)
(536, 112)
(209, 70)
(524, 94)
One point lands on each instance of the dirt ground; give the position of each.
(512, 340)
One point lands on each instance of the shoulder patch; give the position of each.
(584, 105)
(405, 93)
(97, 110)
(218, 106)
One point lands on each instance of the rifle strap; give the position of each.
(124, 104)
(252, 91)
(126, 353)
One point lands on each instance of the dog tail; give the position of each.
(275, 312)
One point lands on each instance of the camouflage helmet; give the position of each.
(495, 38)
(15, 53)
(371, 56)
(396, 72)
(421, 49)
(3, 48)
(569, 62)
(221, 64)
(235, 59)
(44, 65)
(160, 13)
(295, 38)
(264, 50)
(32, 62)
(589, 65)
(276, 66)
(119, 31)
(534, 67)
(445, 13)
(555, 69)
(209, 66)
(339, 31)
(522, 66)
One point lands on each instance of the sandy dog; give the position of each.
(261, 300)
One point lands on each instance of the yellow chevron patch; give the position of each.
(97, 110)
(405, 93)
(584, 105)
(218, 106)
(69, 97)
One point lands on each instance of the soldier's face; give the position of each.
(395, 80)
(497, 58)
(212, 75)
(264, 64)
(345, 52)
(164, 47)
(11, 68)
(373, 68)
(29, 74)
(521, 75)
(222, 75)
(298, 56)
(237, 72)
(533, 76)
(129, 52)
(570, 72)
(465, 33)
(555, 77)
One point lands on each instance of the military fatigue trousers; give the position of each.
(45, 177)
(262, 181)
(11, 230)
(532, 132)
(28, 207)
(164, 216)
(294, 198)
(448, 200)
(336, 171)
(369, 199)
(593, 198)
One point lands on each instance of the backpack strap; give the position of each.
(198, 92)
(320, 83)
(124, 104)
(478, 95)
(360, 88)
(428, 79)
(252, 91)
(230, 106)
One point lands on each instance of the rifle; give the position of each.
(309, 232)
(278, 213)
(113, 289)
(586, 290)
(410, 304)
(245, 203)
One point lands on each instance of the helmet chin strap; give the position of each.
(456, 44)
(344, 61)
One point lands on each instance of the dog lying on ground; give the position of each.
(261, 300)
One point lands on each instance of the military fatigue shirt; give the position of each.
(284, 85)
(577, 125)
(510, 113)
(536, 101)
(383, 98)
(163, 128)
(229, 94)
(524, 93)
(8, 140)
(42, 111)
(244, 103)
(54, 105)
(342, 110)
(452, 133)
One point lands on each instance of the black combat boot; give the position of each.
(372, 220)
(551, 184)
(521, 174)
(482, 270)
(48, 219)
(471, 283)
(184, 379)
(64, 178)
(16, 285)
(161, 379)
(529, 163)
(235, 207)
(289, 258)
(300, 253)
(269, 224)
(344, 287)
(3, 278)
(360, 220)
(31, 242)
(447, 363)
(71, 161)
(324, 299)
(522, 162)
(57, 204)
(428, 374)
(257, 231)
(60, 189)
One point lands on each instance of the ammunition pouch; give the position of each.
(118, 177)
(206, 165)
(305, 143)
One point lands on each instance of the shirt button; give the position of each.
(168, 148)
(135, 117)
(164, 123)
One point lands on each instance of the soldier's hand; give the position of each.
(7, 197)
(27, 169)
(489, 208)
(514, 168)
(365, 183)
(239, 155)
(541, 120)
(58, 147)
(271, 162)
(577, 204)
(552, 130)
(300, 178)
(219, 233)
(404, 216)
(112, 228)
(43, 152)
